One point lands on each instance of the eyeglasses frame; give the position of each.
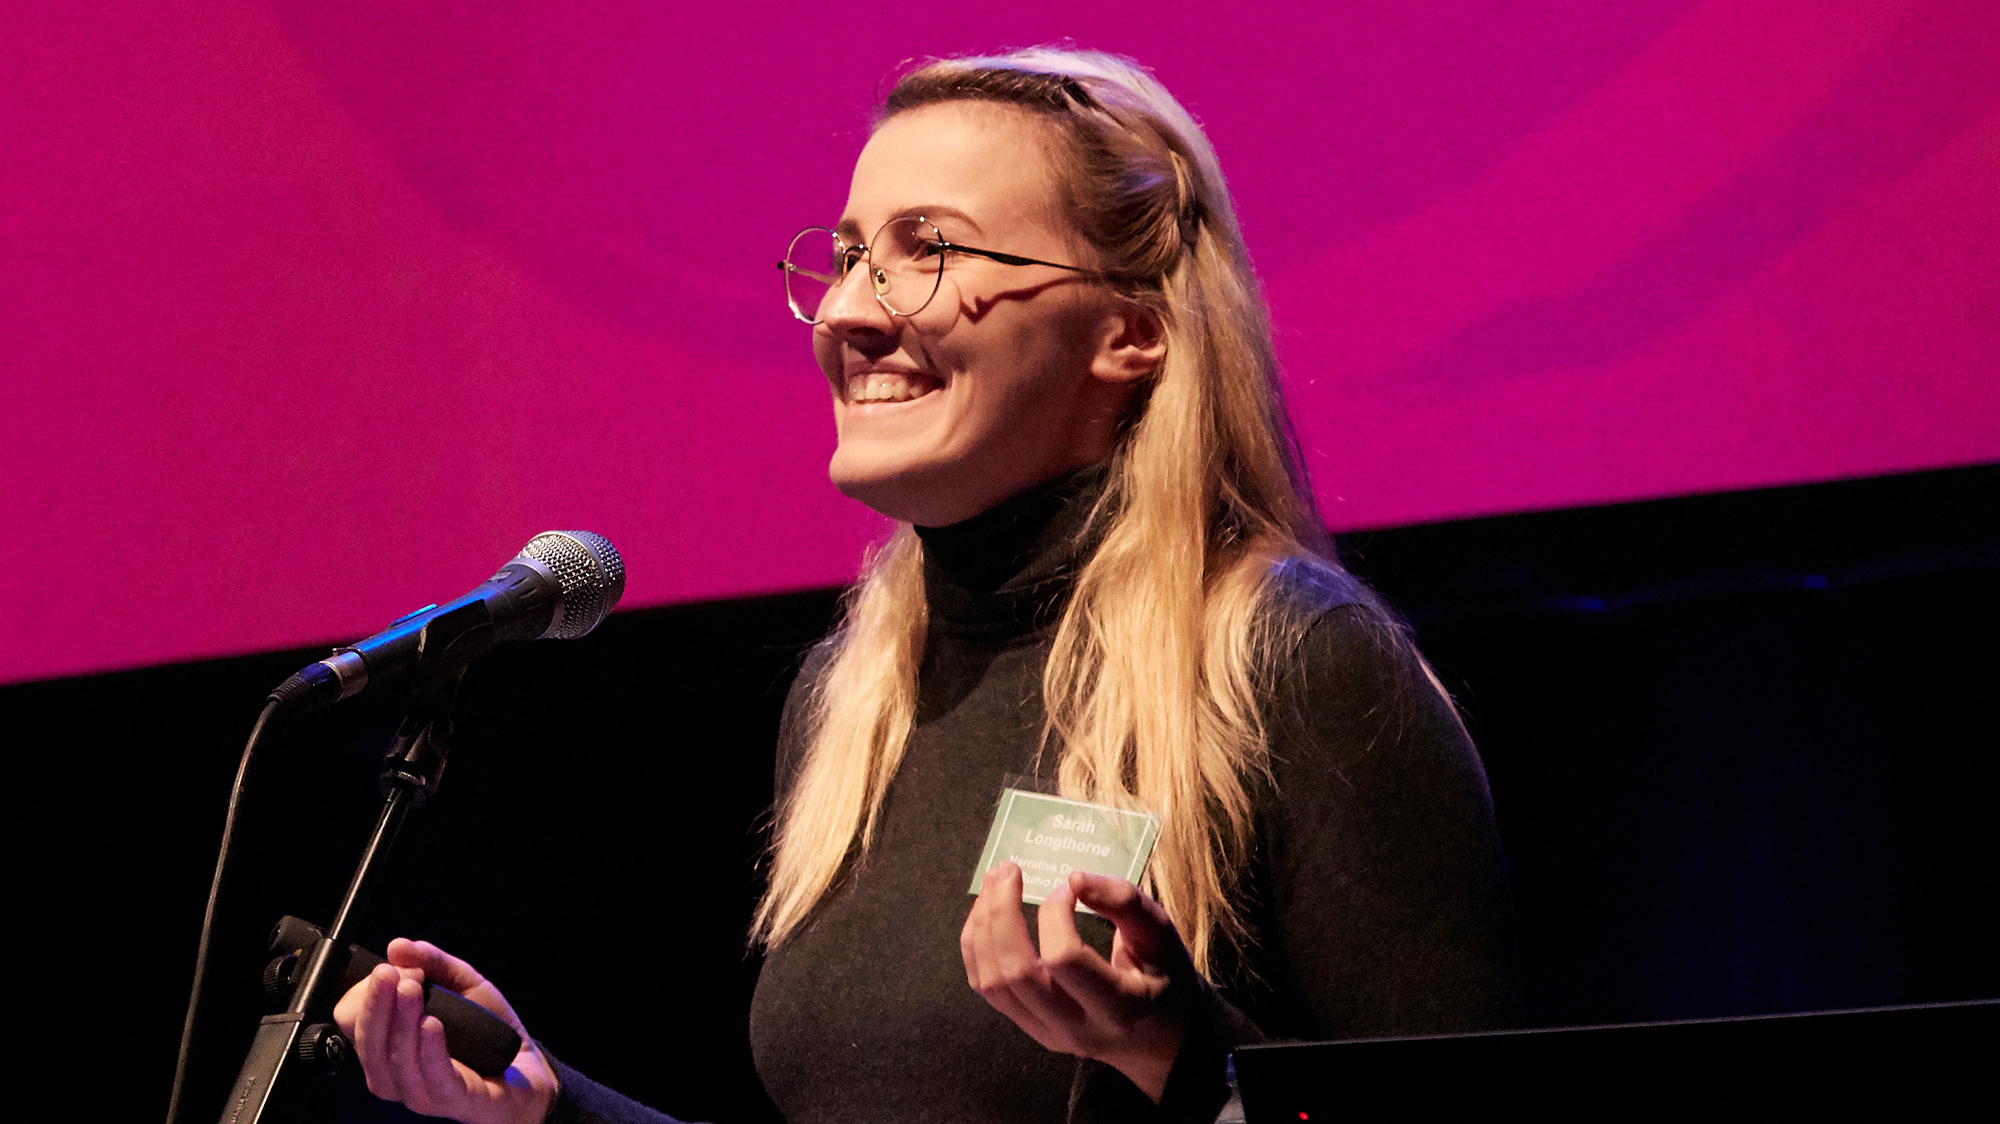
(879, 282)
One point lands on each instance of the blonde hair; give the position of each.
(1152, 686)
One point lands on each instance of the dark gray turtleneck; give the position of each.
(1376, 898)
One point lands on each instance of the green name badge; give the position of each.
(1049, 836)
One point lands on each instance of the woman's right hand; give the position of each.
(402, 1050)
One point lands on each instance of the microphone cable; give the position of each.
(229, 823)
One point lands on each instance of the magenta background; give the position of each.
(313, 312)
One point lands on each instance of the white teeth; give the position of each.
(880, 387)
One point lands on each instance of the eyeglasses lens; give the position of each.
(904, 263)
(907, 259)
(812, 268)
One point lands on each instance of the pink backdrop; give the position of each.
(316, 312)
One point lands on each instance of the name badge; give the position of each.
(1049, 836)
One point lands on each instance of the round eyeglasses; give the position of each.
(906, 262)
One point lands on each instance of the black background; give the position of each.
(1740, 746)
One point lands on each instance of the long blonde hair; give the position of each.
(1152, 686)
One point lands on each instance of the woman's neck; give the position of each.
(1016, 560)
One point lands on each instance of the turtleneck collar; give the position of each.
(1007, 571)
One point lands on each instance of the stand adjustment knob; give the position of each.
(278, 975)
(323, 1044)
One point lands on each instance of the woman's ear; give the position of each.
(1131, 343)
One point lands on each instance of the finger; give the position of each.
(1067, 1009)
(400, 1051)
(347, 1009)
(1011, 956)
(989, 940)
(1055, 924)
(1041, 1007)
(1076, 971)
(1146, 934)
(998, 954)
(382, 1035)
(972, 937)
(435, 963)
(423, 960)
(446, 1088)
(374, 1029)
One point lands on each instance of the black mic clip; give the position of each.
(417, 757)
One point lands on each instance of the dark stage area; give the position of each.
(1740, 745)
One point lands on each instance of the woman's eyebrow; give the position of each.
(850, 229)
(936, 211)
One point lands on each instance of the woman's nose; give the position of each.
(850, 306)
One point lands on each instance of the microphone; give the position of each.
(561, 585)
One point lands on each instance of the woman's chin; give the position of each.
(894, 494)
(926, 495)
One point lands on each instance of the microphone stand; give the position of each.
(294, 1047)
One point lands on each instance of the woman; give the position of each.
(1049, 360)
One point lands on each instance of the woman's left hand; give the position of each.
(1129, 1012)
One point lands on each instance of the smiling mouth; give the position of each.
(881, 386)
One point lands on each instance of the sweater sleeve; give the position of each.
(579, 1100)
(1197, 1087)
(1383, 891)
(1378, 893)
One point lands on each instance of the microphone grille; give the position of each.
(591, 573)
